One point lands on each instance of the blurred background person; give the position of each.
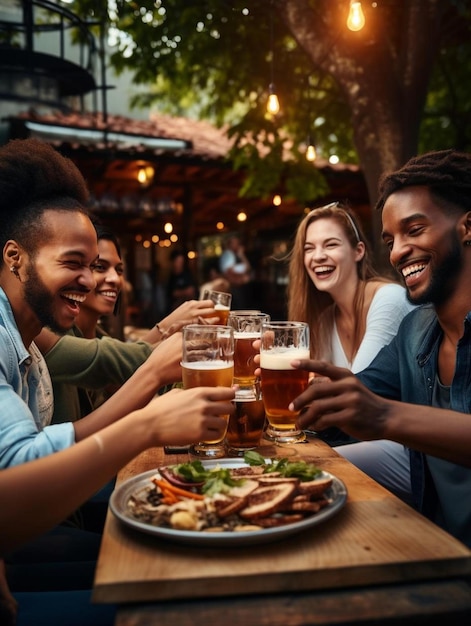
(236, 269)
(181, 284)
(214, 281)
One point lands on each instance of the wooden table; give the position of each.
(377, 559)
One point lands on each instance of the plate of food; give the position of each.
(229, 502)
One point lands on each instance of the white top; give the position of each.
(228, 260)
(388, 307)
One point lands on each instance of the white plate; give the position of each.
(337, 494)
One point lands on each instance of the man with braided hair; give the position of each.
(417, 391)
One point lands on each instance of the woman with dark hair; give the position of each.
(84, 373)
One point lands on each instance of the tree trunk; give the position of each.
(383, 71)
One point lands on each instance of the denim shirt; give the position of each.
(406, 370)
(26, 399)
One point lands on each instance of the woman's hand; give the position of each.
(183, 416)
(190, 312)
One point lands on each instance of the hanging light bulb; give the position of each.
(273, 104)
(356, 17)
(311, 153)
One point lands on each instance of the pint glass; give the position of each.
(247, 328)
(208, 361)
(246, 424)
(222, 304)
(283, 342)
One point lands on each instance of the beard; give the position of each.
(40, 300)
(442, 282)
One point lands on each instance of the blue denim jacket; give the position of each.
(26, 400)
(406, 370)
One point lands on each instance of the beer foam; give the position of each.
(221, 307)
(208, 365)
(253, 334)
(281, 359)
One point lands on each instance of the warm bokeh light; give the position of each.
(273, 104)
(311, 152)
(356, 17)
(191, 254)
(174, 238)
(168, 227)
(146, 244)
(220, 225)
(138, 238)
(277, 200)
(155, 238)
(241, 217)
(145, 174)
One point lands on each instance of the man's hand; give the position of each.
(336, 397)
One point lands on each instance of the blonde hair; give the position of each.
(306, 303)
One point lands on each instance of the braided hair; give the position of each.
(446, 173)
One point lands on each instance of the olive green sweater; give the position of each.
(81, 369)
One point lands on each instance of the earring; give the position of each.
(14, 270)
(468, 242)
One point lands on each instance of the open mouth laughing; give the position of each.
(324, 270)
(74, 300)
(412, 272)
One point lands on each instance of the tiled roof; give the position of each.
(208, 141)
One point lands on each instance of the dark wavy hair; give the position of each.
(103, 232)
(35, 178)
(446, 173)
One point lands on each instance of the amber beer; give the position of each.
(208, 374)
(222, 304)
(281, 384)
(244, 354)
(245, 426)
(222, 312)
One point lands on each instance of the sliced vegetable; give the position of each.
(166, 488)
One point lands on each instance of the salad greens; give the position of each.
(300, 469)
(219, 480)
(215, 480)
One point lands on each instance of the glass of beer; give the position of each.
(208, 361)
(222, 304)
(247, 327)
(283, 342)
(245, 426)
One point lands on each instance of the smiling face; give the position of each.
(58, 276)
(329, 258)
(424, 244)
(108, 272)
